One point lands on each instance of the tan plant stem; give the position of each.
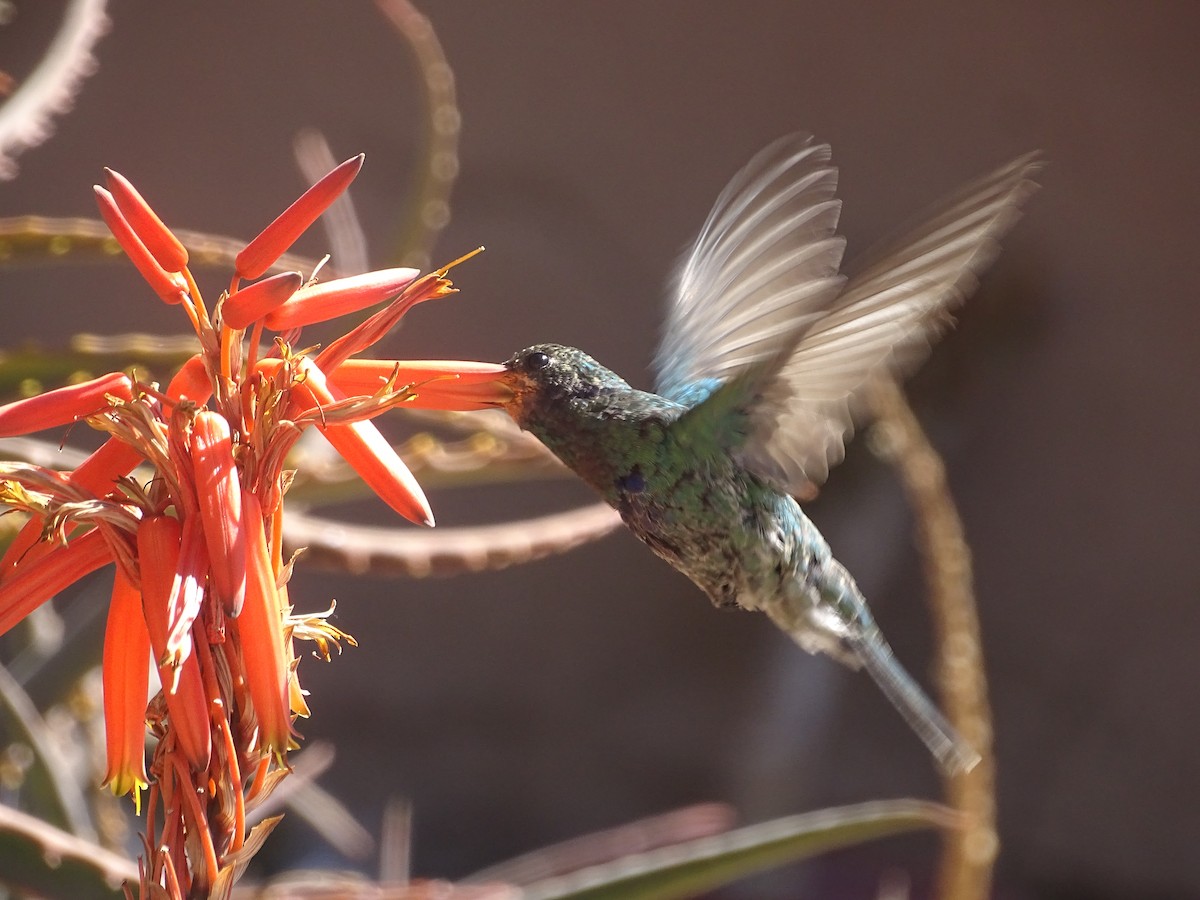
(48, 239)
(429, 210)
(970, 852)
(444, 551)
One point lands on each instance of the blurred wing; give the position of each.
(764, 268)
(884, 320)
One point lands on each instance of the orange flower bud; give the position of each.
(126, 676)
(253, 302)
(438, 384)
(274, 240)
(171, 287)
(63, 405)
(260, 627)
(331, 299)
(219, 492)
(158, 543)
(37, 578)
(162, 244)
(367, 452)
(191, 382)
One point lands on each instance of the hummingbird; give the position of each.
(766, 353)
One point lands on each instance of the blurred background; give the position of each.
(522, 707)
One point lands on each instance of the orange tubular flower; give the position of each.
(166, 249)
(339, 297)
(64, 405)
(277, 237)
(96, 475)
(361, 337)
(260, 627)
(159, 540)
(126, 675)
(32, 582)
(197, 540)
(372, 457)
(100, 471)
(170, 286)
(187, 592)
(219, 490)
(436, 384)
(191, 382)
(254, 301)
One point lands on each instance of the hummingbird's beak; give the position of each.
(520, 388)
(436, 384)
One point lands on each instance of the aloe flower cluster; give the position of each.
(185, 497)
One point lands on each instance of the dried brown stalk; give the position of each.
(445, 551)
(55, 239)
(429, 211)
(969, 852)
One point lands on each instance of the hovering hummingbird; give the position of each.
(766, 351)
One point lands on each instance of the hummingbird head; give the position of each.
(550, 378)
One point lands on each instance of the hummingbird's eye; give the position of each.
(536, 360)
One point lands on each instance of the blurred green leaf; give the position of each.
(694, 867)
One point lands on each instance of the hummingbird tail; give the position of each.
(951, 750)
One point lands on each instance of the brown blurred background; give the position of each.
(527, 706)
